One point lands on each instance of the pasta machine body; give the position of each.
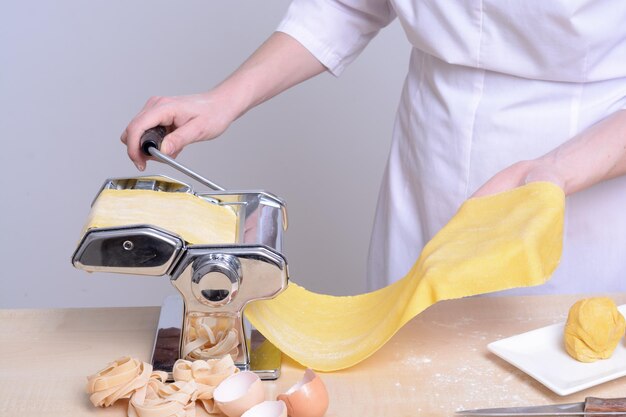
(215, 281)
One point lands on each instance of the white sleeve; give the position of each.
(336, 31)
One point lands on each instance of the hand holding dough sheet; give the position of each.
(508, 240)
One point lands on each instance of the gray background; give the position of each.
(73, 73)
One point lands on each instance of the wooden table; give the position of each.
(437, 364)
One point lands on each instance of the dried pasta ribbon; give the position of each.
(207, 375)
(209, 372)
(151, 396)
(118, 380)
(158, 399)
(204, 343)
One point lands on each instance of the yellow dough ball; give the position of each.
(594, 328)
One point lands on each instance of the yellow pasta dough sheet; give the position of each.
(512, 239)
(195, 220)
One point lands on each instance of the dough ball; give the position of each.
(594, 328)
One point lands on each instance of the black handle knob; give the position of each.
(152, 138)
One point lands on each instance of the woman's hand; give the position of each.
(188, 119)
(519, 174)
(596, 154)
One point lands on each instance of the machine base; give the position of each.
(265, 358)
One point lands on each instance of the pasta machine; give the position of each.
(215, 281)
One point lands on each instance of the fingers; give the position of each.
(187, 119)
(153, 101)
(494, 186)
(152, 115)
(507, 179)
(182, 136)
(519, 174)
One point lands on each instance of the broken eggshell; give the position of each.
(238, 393)
(267, 409)
(307, 398)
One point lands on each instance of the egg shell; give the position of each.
(267, 409)
(307, 398)
(238, 393)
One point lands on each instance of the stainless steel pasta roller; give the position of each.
(215, 279)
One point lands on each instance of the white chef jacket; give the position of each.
(490, 83)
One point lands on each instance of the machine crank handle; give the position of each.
(150, 144)
(152, 138)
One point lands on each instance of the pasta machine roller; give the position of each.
(216, 281)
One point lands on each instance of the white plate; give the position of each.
(540, 353)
